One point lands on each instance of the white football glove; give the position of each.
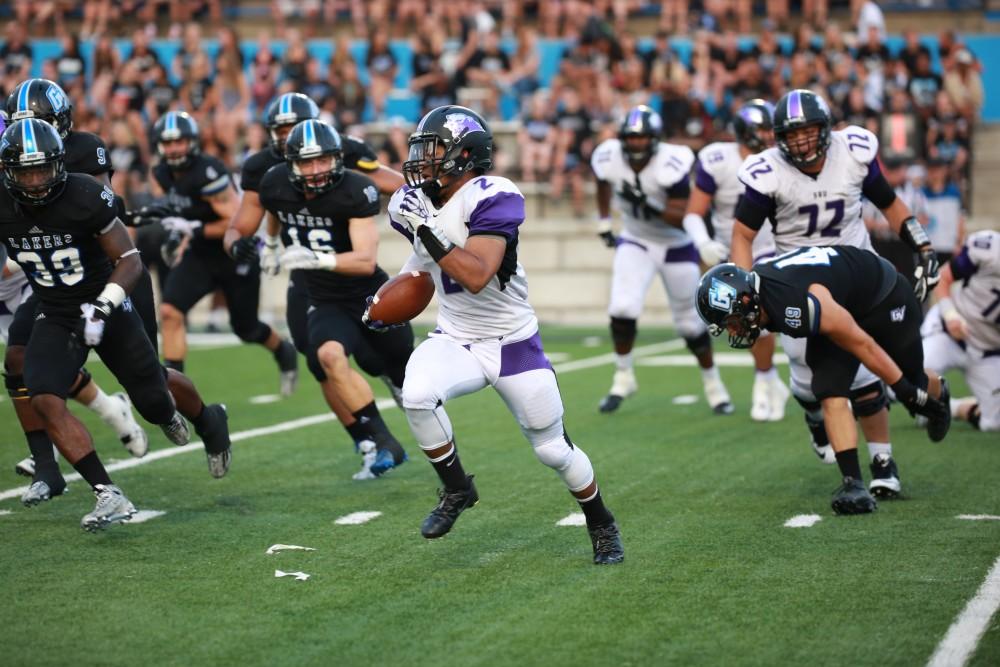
(180, 225)
(712, 252)
(270, 256)
(413, 211)
(94, 315)
(300, 257)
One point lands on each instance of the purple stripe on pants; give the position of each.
(522, 356)
(687, 253)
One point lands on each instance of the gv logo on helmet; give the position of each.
(721, 296)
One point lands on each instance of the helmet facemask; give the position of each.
(637, 151)
(277, 134)
(317, 174)
(35, 183)
(429, 159)
(805, 145)
(179, 158)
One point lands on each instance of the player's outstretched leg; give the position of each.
(623, 383)
(210, 422)
(114, 410)
(870, 406)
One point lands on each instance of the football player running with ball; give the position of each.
(328, 228)
(849, 306)
(810, 186)
(463, 226)
(717, 188)
(64, 231)
(649, 179)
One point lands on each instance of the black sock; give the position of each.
(176, 364)
(359, 431)
(596, 512)
(451, 472)
(92, 470)
(46, 466)
(848, 462)
(199, 421)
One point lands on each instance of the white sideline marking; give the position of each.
(299, 576)
(275, 548)
(684, 399)
(964, 634)
(978, 517)
(356, 518)
(574, 519)
(2, 512)
(265, 398)
(592, 341)
(557, 357)
(803, 521)
(721, 359)
(302, 422)
(145, 515)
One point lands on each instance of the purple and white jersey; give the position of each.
(976, 291)
(717, 174)
(820, 211)
(13, 287)
(670, 166)
(486, 205)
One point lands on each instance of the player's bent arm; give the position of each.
(117, 245)
(360, 261)
(896, 214)
(225, 205)
(386, 180)
(943, 288)
(837, 324)
(741, 251)
(246, 221)
(474, 266)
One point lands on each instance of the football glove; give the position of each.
(173, 248)
(605, 233)
(270, 259)
(147, 215)
(245, 250)
(377, 325)
(633, 195)
(92, 319)
(183, 226)
(917, 400)
(300, 257)
(413, 211)
(926, 275)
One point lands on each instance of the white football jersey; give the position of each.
(717, 174)
(485, 205)
(820, 211)
(669, 165)
(977, 298)
(14, 286)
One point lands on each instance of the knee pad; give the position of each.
(623, 330)
(82, 380)
(700, 344)
(431, 428)
(15, 386)
(873, 404)
(570, 462)
(258, 332)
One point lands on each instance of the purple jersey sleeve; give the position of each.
(704, 180)
(500, 214)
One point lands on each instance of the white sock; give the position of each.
(877, 448)
(623, 362)
(710, 374)
(107, 408)
(769, 375)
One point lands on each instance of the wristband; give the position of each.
(603, 224)
(913, 233)
(271, 242)
(113, 294)
(435, 248)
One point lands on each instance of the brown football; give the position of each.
(402, 298)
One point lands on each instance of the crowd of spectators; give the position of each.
(485, 55)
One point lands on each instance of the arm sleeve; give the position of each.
(704, 180)
(962, 266)
(499, 215)
(754, 208)
(876, 188)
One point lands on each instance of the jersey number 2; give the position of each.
(63, 266)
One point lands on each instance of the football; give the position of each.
(402, 298)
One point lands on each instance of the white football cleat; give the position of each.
(778, 396)
(112, 507)
(717, 396)
(623, 385)
(760, 401)
(368, 456)
(132, 436)
(825, 453)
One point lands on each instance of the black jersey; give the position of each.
(186, 191)
(56, 244)
(858, 280)
(322, 224)
(87, 154)
(358, 155)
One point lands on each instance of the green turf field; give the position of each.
(711, 575)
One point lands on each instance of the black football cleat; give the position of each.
(452, 503)
(885, 483)
(215, 435)
(939, 421)
(853, 498)
(610, 403)
(607, 542)
(288, 367)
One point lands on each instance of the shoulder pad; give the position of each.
(602, 157)
(984, 248)
(760, 172)
(862, 144)
(674, 163)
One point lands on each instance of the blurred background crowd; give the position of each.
(555, 75)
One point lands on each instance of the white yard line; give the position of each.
(302, 422)
(964, 634)
(143, 516)
(978, 517)
(803, 521)
(357, 518)
(574, 519)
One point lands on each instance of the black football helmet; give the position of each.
(44, 99)
(727, 300)
(754, 117)
(32, 156)
(640, 121)
(798, 109)
(308, 140)
(288, 111)
(172, 126)
(450, 140)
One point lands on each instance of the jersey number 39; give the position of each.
(63, 266)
